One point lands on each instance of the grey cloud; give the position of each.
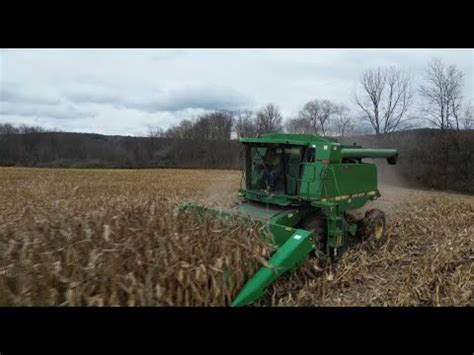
(18, 100)
(207, 97)
(56, 112)
(15, 95)
(95, 95)
(134, 88)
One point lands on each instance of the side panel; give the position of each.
(310, 184)
(263, 197)
(347, 179)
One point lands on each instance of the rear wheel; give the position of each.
(373, 227)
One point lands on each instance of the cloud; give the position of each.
(177, 100)
(125, 90)
(55, 112)
(13, 94)
(89, 93)
(192, 96)
(206, 97)
(16, 100)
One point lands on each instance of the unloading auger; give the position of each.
(300, 187)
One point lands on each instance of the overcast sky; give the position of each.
(124, 91)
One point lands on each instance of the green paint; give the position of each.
(293, 251)
(291, 177)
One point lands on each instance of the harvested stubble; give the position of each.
(93, 238)
(103, 237)
(428, 260)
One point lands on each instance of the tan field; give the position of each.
(112, 237)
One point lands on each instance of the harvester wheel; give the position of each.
(373, 227)
(317, 225)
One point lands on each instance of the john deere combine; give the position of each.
(300, 188)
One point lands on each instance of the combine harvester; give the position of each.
(300, 188)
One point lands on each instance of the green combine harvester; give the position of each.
(301, 187)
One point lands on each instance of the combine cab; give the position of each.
(300, 187)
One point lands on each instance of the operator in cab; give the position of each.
(272, 171)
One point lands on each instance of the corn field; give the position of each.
(113, 238)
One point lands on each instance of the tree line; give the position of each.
(385, 105)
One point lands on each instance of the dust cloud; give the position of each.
(222, 192)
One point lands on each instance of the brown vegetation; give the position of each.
(428, 260)
(76, 238)
(102, 237)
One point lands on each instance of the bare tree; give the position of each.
(299, 125)
(153, 138)
(468, 117)
(342, 122)
(269, 119)
(25, 129)
(322, 117)
(8, 128)
(385, 99)
(442, 107)
(184, 130)
(318, 113)
(442, 95)
(217, 126)
(244, 124)
(155, 132)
